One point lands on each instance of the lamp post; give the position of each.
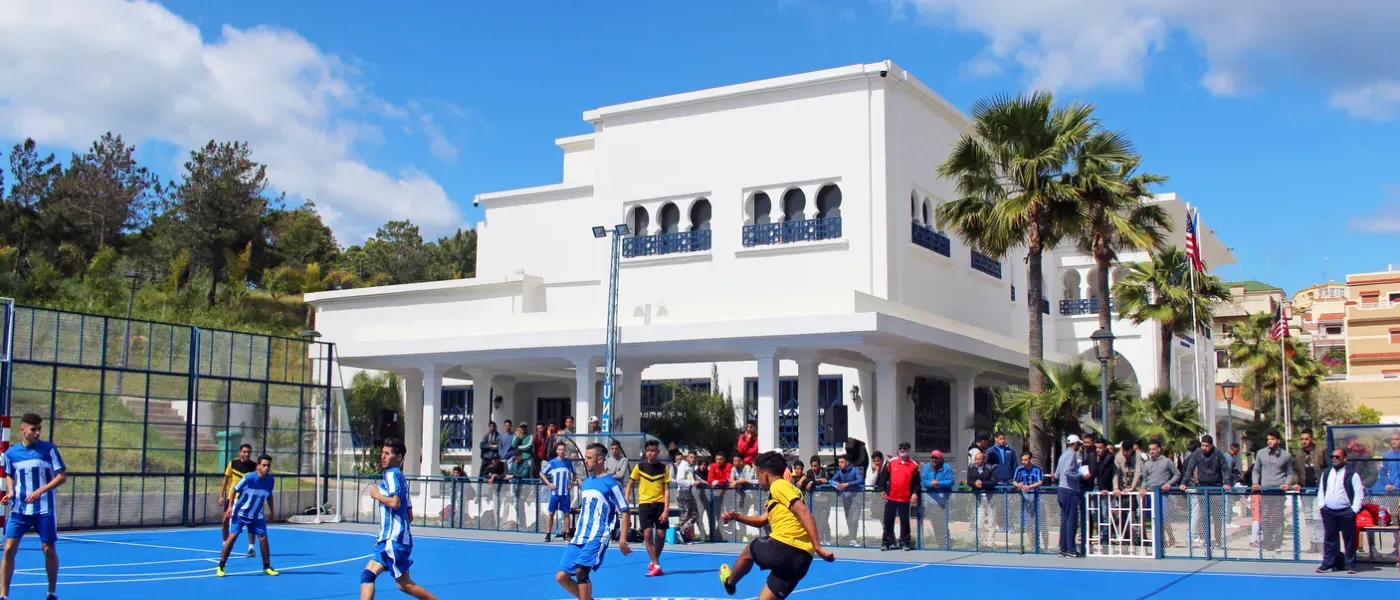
(1103, 349)
(135, 278)
(1227, 389)
(610, 349)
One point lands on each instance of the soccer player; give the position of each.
(395, 543)
(603, 501)
(787, 551)
(250, 495)
(558, 474)
(33, 469)
(234, 473)
(652, 482)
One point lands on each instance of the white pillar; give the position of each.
(412, 416)
(887, 401)
(808, 427)
(964, 406)
(767, 399)
(585, 374)
(482, 414)
(863, 429)
(628, 404)
(432, 421)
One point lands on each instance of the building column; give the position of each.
(964, 406)
(863, 429)
(482, 413)
(585, 374)
(627, 406)
(887, 402)
(808, 427)
(432, 420)
(412, 416)
(767, 399)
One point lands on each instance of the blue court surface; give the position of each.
(324, 561)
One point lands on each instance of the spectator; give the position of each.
(747, 446)
(1159, 473)
(541, 443)
(555, 436)
(1206, 468)
(518, 474)
(1087, 453)
(848, 483)
(505, 445)
(594, 425)
(495, 472)
(813, 478)
(1308, 464)
(936, 479)
(979, 446)
(674, 452)
(1273, 471)
(685, 498)
(488, 449)
(718, 480)
(1340, 495)
(877, 464)
(856, 454)
(982, 479)
(1002, 459)
(1127, 477)
(901, 487)
(568, 425)
(524, 442)
(1102, 467)
(744, 481)
(617, 465)
(1028, 479)
(1389, 479)
(1233, 460)
(1070, 472)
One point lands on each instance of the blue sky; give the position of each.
(1279, 124)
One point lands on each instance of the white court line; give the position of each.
(861, 578)
(91, 541)
(154, 562)
(206, 574)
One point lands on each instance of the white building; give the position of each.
(779, 239)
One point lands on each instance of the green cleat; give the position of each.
(219, 571)
(270, 571)
(724, 573)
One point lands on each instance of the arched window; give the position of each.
(759, 207)
(928, 212)
(829, 201)
(914, 207)
(1092, 279)
(794, 202)
(670, 217)
(1119, 274)
(640, 221)
(1071, 282)
(700, 215)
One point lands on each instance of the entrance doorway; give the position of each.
(552, 410)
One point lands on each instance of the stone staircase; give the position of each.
(164, 419)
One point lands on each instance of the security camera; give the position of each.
(884, 73)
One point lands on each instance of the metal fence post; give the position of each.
(101, 414)
(191, 419)
(326, 458)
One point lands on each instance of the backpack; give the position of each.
(1346, 482)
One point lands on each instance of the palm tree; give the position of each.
(1160, 415)
(1011, 174)
(1305, 373)
(1248, 339)
(1160, 290)
(1072, 392)
(1118, 217)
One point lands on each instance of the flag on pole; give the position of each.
(1280, 327)
(1193, 244)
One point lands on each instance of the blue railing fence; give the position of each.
(787, 232)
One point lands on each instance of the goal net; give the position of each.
(334, 454)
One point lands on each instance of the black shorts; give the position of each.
(786, 565)
(653, 515)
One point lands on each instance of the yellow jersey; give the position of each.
(785, 526)
(652, 479)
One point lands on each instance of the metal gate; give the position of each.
(1121, 524)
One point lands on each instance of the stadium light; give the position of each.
(610, 348)
(1227, 389)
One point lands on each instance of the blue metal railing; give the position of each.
(1081, 307)
(666, 243)
(927, 237)
(787, 232)
(986, 264)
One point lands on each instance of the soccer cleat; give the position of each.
(219, 571)
(654, 571)
(270, 571)
(724, 574)
(251, 553)
(546, 538)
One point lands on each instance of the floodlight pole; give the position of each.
(610, 349)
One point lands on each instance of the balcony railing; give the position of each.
(666, 243)
(927, 237)
(986, 264)
(787, 232)
(1088, 306)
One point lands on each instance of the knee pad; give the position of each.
(581, 575)
(368, 576)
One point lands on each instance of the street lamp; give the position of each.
(135, 278)
(610, 350)
(1227, 389)
(1103, 349)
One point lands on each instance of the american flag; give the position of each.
(1193, 247)
(1280, 328)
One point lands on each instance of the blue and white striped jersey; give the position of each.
(560, 472)
(252, 493)
(601, 502)
(32, 467)
(394, 523)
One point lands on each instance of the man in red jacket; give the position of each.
(747, 447)
(900, 482)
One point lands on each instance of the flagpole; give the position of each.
(1283, 364)
(1196, 329)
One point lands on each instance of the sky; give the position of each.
(1279, 119)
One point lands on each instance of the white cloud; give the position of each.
(73, 69)
(1347, 48)
(1384, 220)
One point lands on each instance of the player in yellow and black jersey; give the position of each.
(786, 552)
(233, 473)
(651, 480)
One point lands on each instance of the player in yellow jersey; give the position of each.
(234, 473)
(650, 492)
(787, 551)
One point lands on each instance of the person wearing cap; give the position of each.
(1070, 474)
(594, 425)
(936, 478)
(901, 487)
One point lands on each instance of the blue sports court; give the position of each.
(324, 561)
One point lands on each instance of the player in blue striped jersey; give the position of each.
(602, 501)
(394, 546)
(33, 469)
(558, 474)
(252, 499)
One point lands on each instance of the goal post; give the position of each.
(334, 451)
(7, 346)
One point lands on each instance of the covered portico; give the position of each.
(889, 347)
